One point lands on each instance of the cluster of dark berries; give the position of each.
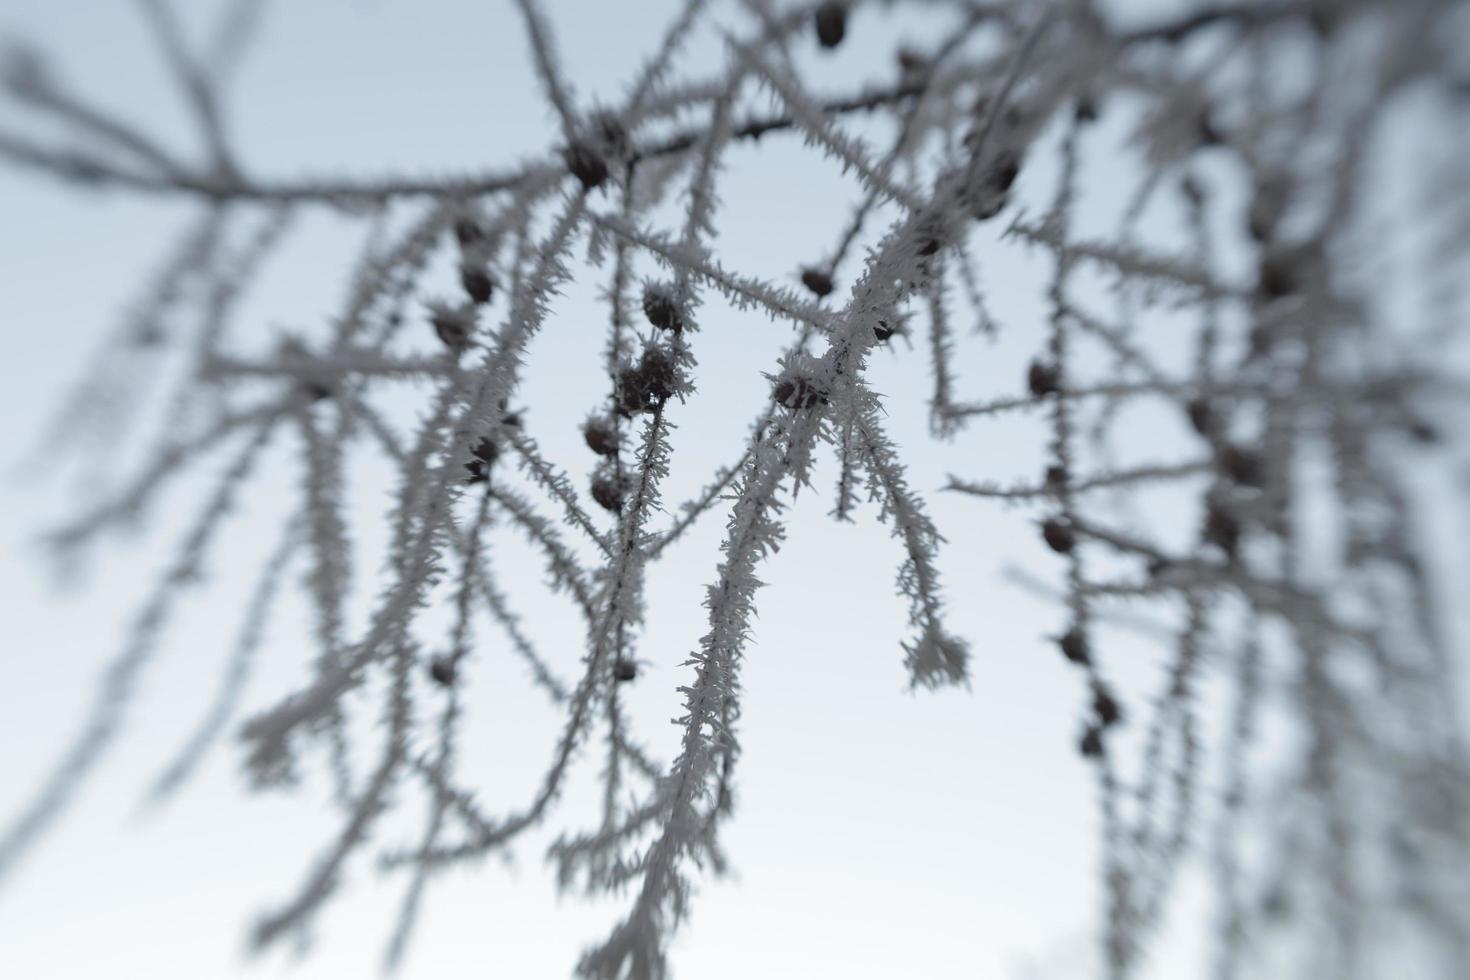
(797, 392)
(647, 385)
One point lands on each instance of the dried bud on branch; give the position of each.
(831, 23)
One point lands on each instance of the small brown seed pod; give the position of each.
(316, 390)
(661, 308)
(467, 231)
(830, 21)
(798, 393)
(882, 331)
(1203, 417)
(608, 493)
(452, 329)
(1277, 276)
(1043, 379)
(1004, 171)
(624, 670)
(657, 374)
(929, 233)
(1074, 647)
(441, 669)
(586, 164)
(1105, 706)
(995, 193)
(646, 385)
(1091, 743)
(477, 282)
(601, 437)
(1243, 466)
(1222, 529)
(987, 203)
(633, 397)
(486, 450)
(1059, 536)
(817, 281)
